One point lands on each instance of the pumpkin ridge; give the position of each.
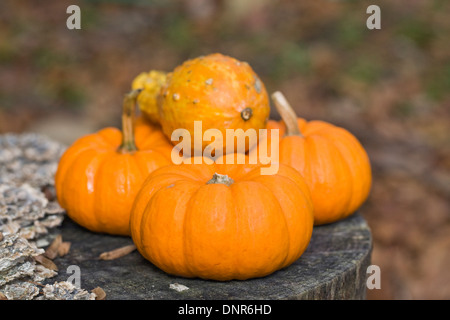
(188, 205)
(269, 185)
(286, 224)
(183, 234)
(137, 216)
(357, 154)
(141, 165)
(146, 210)
(352, 196)
(238, 274)
(350, 173)
(71, 155)
(142, 223)
(346, 208)
(185, 250)
(149, 212)
(307, 170)
(61, 175)
(309, 158)
(62, 172)
(97, 193)
(306, 196)
(144, 218)
(352, 168)
(94, 158)
(237, 239)
(337, 164)
(279, 213)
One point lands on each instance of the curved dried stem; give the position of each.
(287, 114)
(128, 112)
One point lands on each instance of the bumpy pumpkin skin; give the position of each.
(218, 90)
(150, 83)
(254, 226)
(96, 184)
(332, 161)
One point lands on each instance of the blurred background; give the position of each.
(389, 87)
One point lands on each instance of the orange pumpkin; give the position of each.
(222, 222)
(332, 161)
(100, 174)
(220, 91)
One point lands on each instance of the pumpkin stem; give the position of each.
(128, 111)
(287, 114)
(246, 114)
(222, 179)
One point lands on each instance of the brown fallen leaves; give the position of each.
(52, 251)
(57, 248)
(63, 249)
(46, 262)
(99, 293)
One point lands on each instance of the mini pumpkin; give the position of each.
(222, 222)
(332, 161)
(100, 174)
(150, 83)
(220, 91)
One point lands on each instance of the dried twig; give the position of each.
(46, 262)
(99, 293)
(117, 253)
(52, 250)
(1, 236)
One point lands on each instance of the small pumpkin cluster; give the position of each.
(214, 221)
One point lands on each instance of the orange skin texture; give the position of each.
(334, 164)
(255, 226)
(96, 184)
(214, 89)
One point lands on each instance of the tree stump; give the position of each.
(333, 267)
